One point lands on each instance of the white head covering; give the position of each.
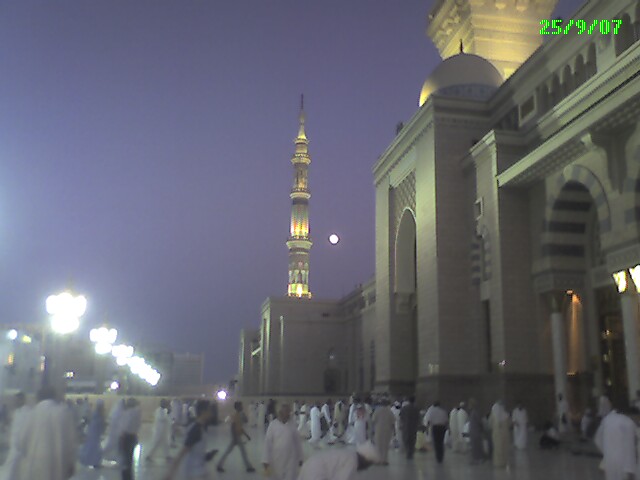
(369, 451)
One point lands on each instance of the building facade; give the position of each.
(507, 221)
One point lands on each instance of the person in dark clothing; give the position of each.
(409, 420)
(271, 412)
(550, 437)
(476, 433)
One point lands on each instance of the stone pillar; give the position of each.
(559, 342)
(629, 304)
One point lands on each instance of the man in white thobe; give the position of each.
(453, 429)
(383, 421)
(16, 438)
(303, 429)
(262, 414)
(161, 431)
(339, 419)
(110, 448)
(282, 454)
(325, 413)
(316, 430)
(462, 417)
(499, 420)
(616, 440)
(520, 423)
(339, 463)
(49, 442)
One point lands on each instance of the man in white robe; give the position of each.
(462, 417)
(520, 424)
(161, 431)
(303, 428)
(339, 420)
(262, 414)
(282, 454)
(453, 428)
(499, 420)
(616, 440)
(339, 463)
(49, 443)
(16, 438)
(383, 422)
(316, 431)
(110, 448)
(325, 413)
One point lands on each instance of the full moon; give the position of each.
(334, 239)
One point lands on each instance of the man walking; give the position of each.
(409, 418)
(282, 454)
(383, 424)
(237, 432)
(437, 418)
(131, 423)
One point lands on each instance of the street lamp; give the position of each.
(65, 310)
(103, 338)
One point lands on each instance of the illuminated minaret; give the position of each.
(299, 242)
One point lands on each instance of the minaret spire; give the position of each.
(299, 242)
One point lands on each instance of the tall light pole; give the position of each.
(65, 310)
(103, 339)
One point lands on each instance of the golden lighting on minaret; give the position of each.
(299, 243)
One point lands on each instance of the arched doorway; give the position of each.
(404, 330)
(594, 340)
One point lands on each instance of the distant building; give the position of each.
(507, 228)
(187, 370)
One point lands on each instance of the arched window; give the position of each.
(580, 74)
(625, 37)
(592, 68)
(567, 81)
(556, 94)
(543, 99)
(636, 24)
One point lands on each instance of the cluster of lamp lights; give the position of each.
(66, 309)
(621, 278)
(104, 338)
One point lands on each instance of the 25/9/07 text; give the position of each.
(556, 27)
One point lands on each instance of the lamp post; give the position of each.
(65, 310)
(103, 339)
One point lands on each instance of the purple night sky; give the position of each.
(145, 154)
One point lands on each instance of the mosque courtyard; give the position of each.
(532, 464)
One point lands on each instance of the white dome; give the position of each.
(475, 73)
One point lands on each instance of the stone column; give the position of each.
(559, 342)
(629, 304)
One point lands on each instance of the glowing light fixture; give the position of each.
(65, 311)
(621, 281)
(222, 395)
(635, 275)
(334, 239)
(114, 386)
(12, 334)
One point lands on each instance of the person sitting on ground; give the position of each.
(550, 438)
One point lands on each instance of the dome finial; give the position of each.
(302, 136)
(461, 46)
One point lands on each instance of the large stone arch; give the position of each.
(404, 330)
(405, 261)
(631, 194)
(580, 181)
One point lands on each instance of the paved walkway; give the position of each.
(530, 465)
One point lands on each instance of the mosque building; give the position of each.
(507, 228)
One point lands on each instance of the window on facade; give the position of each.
(626, 35)
(591, 66)
(567, 81)
(580, 74)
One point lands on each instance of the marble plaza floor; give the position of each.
(533, 464)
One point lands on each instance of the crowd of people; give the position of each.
(48, 439)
